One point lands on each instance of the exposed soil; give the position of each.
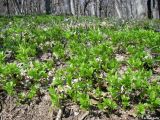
(32, 111)
(42, 110)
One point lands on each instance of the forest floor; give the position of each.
(64, 68)
(43, 110)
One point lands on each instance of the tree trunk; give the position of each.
(8, 10)
(135, 9)
(72, 7)
(149, 9)
(47, 6)
(66, 7)
(98, 8)
(158, 1)
(17, 6)
(117, 9)
(140, 9)
(92, 9)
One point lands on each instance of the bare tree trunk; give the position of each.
(117, 9)
(72, 7)
(85, 6)
(140, 9)
(92, 9)
(149, 9)
(66, 7)
(25, 7)
(8, 10)
(159, 7)
(155, 12)
(17, 6)
(78, 9)
(47, 6)
(131, 9)
(98, 8)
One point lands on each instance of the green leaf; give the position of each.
(2, 57)
(157, 102)
(33, 91)
(141, 109)
(54, 97)
(9, 87)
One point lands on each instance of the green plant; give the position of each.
(32, 92)
(83, 62)
(141, 109)
(9, 87)
(11, 70)
(2, 57)
(83, 99)
(108, 104)
(54, 97)
(24, 53)
(38, 71)
(125, 101)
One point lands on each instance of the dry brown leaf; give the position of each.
(157, 70)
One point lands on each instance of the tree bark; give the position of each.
(140, 9)
(101, 8)
(17, 6)
(158, 1)
(92, 9)
(149, 9)
(97, 8)
(117, 9)
(72, 7)
(47, 6)
(8, 10)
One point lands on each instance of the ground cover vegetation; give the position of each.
(98, 64)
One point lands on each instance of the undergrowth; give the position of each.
(109, 65)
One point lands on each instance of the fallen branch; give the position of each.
(83, 116)
(59, 115)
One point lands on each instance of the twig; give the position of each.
(83, 116)
(59, 115)
(1, 107)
